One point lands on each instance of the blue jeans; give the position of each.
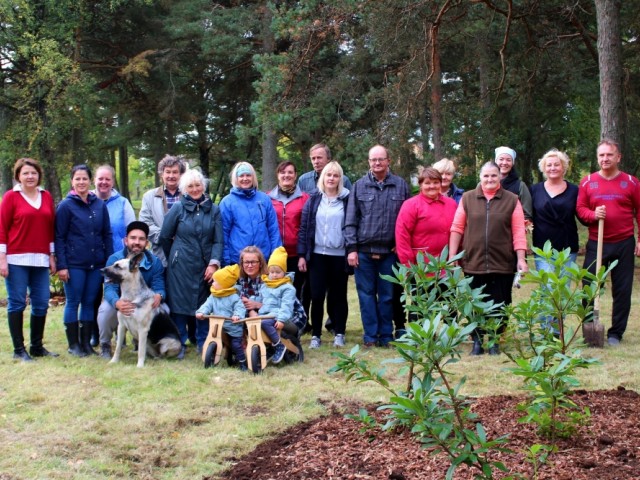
(238, 351)
(33, 279)
(81, 291)
(375, 296)
(268, 327)
(181, 320)
(542, 265)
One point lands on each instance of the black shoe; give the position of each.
(21, 354)
(105, 351)
(180, 355)
(477, 348)
(399, 333)
(307, 329)
(41, 352)
(494, 349)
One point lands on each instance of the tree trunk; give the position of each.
(159, 150)
(437, 123)
(123, 166)
(112, 162)
(203, 147)
(269, 138)
(171, 136)
(6, 171)
(613, 115)
(51, 179)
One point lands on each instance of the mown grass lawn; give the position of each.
(69, 418)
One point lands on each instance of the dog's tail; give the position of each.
(169, 347)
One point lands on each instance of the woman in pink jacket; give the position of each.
(424, 221)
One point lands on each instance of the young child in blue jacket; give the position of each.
(278, 298)
(225, 301)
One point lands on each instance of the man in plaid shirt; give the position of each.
(369, 230)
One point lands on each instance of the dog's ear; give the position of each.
(134, 261)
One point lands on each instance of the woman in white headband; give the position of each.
(505, 159)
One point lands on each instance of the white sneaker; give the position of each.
(339, 340)
(315, 342)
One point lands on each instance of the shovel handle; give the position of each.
(596, 301)
(600, 242)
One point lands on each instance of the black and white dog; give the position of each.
(156, 333)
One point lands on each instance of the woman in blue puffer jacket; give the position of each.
(248, 216)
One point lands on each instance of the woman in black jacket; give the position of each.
(321, 251)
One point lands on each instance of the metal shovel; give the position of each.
(593, 332)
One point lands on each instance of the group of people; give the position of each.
(318, 229)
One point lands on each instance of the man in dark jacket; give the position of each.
(152, 272)
(370, 223)
(319, 155)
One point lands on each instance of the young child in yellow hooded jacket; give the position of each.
(278, 299)
(225, 301)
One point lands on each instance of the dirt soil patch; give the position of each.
(333, 447)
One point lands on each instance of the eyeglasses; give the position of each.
(250, 262)
(378, 160)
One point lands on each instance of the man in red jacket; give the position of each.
(614, 196)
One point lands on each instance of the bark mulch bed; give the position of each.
(332, 447)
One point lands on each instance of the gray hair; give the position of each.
(190, 176)
(169, 161)
(445, 165)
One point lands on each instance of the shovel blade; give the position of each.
(593, 333)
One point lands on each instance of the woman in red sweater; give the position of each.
(27, 255)
(424, 221)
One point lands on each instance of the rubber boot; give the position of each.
(73, 330)
(37, 333)
(17, 337)
(86, 329)
(95, 339)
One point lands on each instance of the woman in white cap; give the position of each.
(505, 159)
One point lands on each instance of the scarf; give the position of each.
(511, 182)
(289, 191)
(275, 283)
(224, 292)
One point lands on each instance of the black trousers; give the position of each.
(301, 284)
(328, 279)
(621, 279)
(498, 287)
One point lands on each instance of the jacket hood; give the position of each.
(112, 196)
(190, 204)
(244, 192)
(276, 194)
(92, 197)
